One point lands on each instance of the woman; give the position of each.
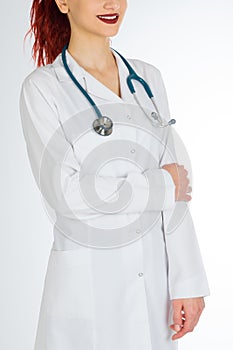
(138, 292)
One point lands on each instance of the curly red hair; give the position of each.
(51, 29)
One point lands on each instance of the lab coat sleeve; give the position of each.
(186, 271)
(58, 177)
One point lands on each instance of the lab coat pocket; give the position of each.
(68, 289)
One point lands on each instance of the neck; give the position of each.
(91, 52)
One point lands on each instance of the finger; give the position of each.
(183, 319)
(176, 327)
(188, 327)
(177, 316)
(183, 187)
(187, 198)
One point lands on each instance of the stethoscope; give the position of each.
(103, 125)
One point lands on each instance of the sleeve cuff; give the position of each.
(190, 288)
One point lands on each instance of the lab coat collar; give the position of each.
(92, 85)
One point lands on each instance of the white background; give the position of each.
(191, 43)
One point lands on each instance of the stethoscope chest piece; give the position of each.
(103, 126)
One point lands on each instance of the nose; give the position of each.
(112, 4)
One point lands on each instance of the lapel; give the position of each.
(92, 85)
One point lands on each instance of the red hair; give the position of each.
(51, 29)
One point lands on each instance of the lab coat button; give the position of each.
(138, 231)
(132, 150)
(140, 274)
(129, 116)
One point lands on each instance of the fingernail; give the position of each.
(177, 327)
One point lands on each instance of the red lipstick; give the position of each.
(109, 18)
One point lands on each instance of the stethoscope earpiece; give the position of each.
(172, 121)
(158, 118)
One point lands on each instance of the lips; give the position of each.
(109, 19)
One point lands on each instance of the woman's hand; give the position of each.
(186, 313)
(179, 175)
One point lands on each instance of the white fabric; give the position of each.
(116, 298)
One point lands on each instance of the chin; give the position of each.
(111, 33)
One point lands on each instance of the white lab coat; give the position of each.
(116, 298)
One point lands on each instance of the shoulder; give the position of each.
(40, 84)
(39, 76)
(43, 77)
(38, 87)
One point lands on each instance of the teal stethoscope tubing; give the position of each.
(132, 76)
